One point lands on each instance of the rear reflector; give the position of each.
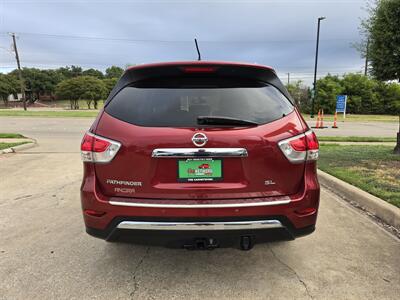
(98, 149)
(300, 148)
(94, 213)
(198, 69)
(306, 211)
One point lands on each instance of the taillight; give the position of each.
(300, 148)
(98, 149)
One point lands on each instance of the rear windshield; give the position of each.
(180, 105)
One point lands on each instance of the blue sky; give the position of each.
(102, 33)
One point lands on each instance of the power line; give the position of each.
(62, 36)
(327, 2)
(279, 69)
(46, 35)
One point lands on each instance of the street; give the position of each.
(46, 254)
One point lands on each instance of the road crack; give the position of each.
(137, 267)
(41, 194)
(293, 271)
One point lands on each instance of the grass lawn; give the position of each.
(62, 104)
(357, 118)
(355, 139)
(9, 145)
(11, 136)
(374, 169)
(66, 104)
(47, 113)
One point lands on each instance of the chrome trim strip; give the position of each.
(224, 205)
(199, 152)
(237, 225)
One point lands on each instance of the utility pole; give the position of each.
(366, 59)
(288, 78)
(19, 70)
(314, 92)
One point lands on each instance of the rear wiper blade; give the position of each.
(217, 120)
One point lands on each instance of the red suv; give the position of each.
(145, 155)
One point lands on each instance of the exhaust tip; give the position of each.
(246, 243)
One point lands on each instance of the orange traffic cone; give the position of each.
(335, 120)
(318, 119)
(322, 119)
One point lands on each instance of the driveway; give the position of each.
(376, 129)
(45, 253)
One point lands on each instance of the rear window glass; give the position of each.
(180, 105)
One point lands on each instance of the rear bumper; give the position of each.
(170, 223)
(184, 234)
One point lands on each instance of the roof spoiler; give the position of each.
(199, 68)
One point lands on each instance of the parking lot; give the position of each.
(45, 253)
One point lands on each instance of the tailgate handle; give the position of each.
(199, 152)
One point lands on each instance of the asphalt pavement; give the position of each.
(375, 129)
(45, 253)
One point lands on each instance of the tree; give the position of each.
(365, 95)
(361, 96)
(94, 90)
(70, 72)
(114, 72)
(8, 85)
(300, 94)
(40, 81)
(88, 88)
(93, 72)
(328, 88)
(381, 28)
(382, 31)
(390, 95)
(69, 89)
(75, 71)
(109, 84)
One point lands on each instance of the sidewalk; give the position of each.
(19, 140)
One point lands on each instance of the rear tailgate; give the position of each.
(135, 172)
(265, 172)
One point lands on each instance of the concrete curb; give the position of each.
(18, 148)
(380, 208)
